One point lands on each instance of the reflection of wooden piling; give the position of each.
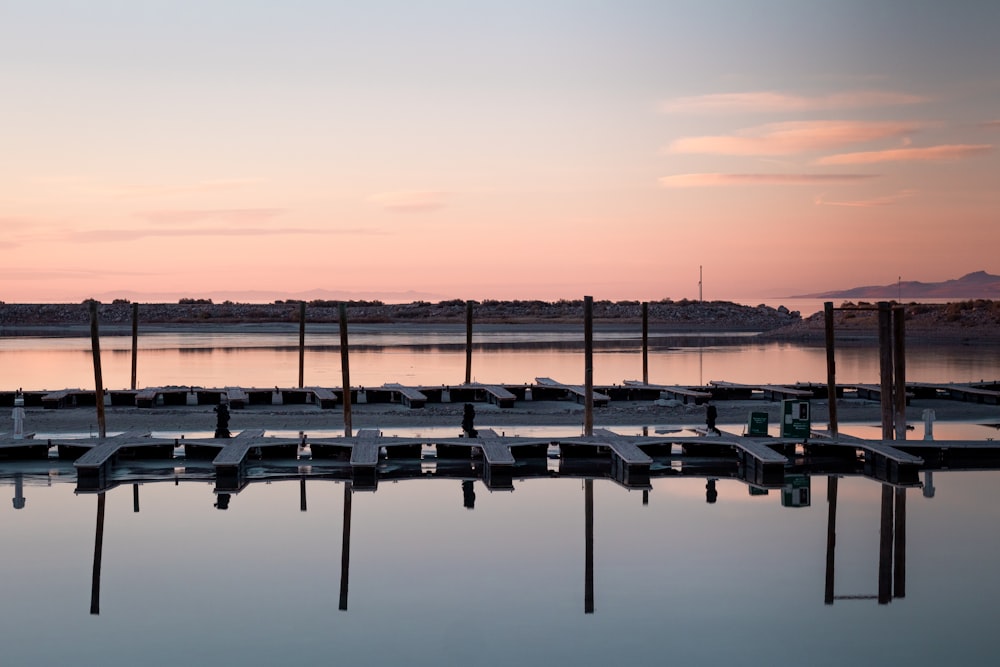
(302, 494)
(588, 365)
(645, 342)
(135, 342)
(468, 342)
(899, 366)
(831, 368)
(135, 498)
(95, 582)
(345, 369)
(831, 538)
(345, 549)
(302, 344)
(588, 510)
(899, 568)
(885, 368)
(95, 343)
(885, 547)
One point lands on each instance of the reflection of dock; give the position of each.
(502, 395)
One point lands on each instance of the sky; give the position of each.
(523, 149)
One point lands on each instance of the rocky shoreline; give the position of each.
(682, 315)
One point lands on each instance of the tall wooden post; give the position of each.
(345, 369)
(468, 342)
(588, 365)
(899, 365)
(302, 344)
(95, 580)
(645, 342)
(135, 342)
(345, 548)
(95, 343)
(588, 568)
(831, 368)
(885, 547)
(899, 567)
(885, 368)
(831, 538)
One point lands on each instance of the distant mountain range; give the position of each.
(976, 285)
(264, 296)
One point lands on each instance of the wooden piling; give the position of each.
(588, 510)
(302, 494)
(885, 368)
(135, 342)
(135, 498)
(899, 366)
(831, 538)
(345, 369)
(645, 342)
(899, 530)
(95, 344)
(302, 344)
(885, 547)
(345, 549)
(468, 342)
(588, 365)
(831, 370)
(95, 580)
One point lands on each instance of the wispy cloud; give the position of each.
(772, 101)
(120, 235)
(792, 137)
(718, 179)
(142, 191)
(410, 200)
(233, 215)
(992, 124)
(876, 202)
(943, 153)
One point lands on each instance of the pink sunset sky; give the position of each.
(508, 150)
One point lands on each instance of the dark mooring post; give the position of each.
(588, 510)
(468, 342)
(899, 365)
(588, 365)
(95, 581)
(899, 566)
(645, 342)
(95, 343)
(831, 368)
(345, 369)
(135, 342)
(345, 548)
(831, 538)
(302, 344)
(885, 367)
(885, 547)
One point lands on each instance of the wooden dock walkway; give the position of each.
(574, 390)
(408, 396)
(773, 392)
(364, 452)
(676, 392)
(496, 451)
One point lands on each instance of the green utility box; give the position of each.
(795, 419)
(757, 425)
(796, 492)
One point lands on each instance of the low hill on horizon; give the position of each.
(975, 285)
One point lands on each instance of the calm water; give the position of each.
(742, 580)
(436, 355)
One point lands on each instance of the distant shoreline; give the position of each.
(974, 321)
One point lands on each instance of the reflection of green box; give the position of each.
(796, 492)
(757, 424)
(795, 419)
